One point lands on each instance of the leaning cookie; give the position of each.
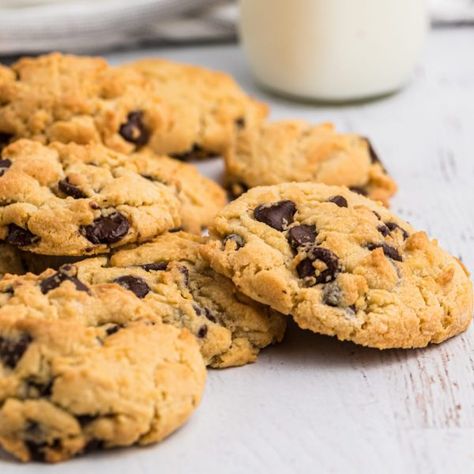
(289, 151)
(170, 276)
(341, 265)
(67, 389)
(200, 197)
(79, 200)
(172, 108)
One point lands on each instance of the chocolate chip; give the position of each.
(94, 205)
(106, 229)
(377, 215)
(65, 273)
(278, 215)
(210, 315)
(112, 329)
(70, 190)
(20, 237)
(155, 267)
(4, 165)
(136, 285)
(301, 235)
(306, 268)
(175, 229)
(198, 310)
(240, 122)
(383, 229)
(374, 158)
(195, 153)
(134, 130)
(332, 295)
(236, 238)
(11, 351)
(359, 190)
(185, 272)
(340, 201)
(394, 226)
(388, 250)
(202, 331)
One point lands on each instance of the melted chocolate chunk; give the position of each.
(106, 229)
(195, 153)
(134, 130)
(374, 158)
(4, 165)
(237, 239)
(359, 190)
(301, 235)
(240, 122)
(394, 226)
(65, 273)
(20, 237)
(175, 229)
(11, 351)
(202, 331)
(135, 284)
(306, 268)
(112, 329)
(209, 315)
(377, 215)
(155, 267)
(388, 250)
(70, 190)
(383, 229)
(278, 215)
(340, 201)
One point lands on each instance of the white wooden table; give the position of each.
(313, 404)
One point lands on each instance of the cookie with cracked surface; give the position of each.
(341, 265)
(170, 276)
(67, 389)
(172, 108)
(79, 200)
(289, 151)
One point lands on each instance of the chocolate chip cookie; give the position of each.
(289, 151)
(173, 280)
(341, 265)
(172, 108)
(79, 200)
(67, 389)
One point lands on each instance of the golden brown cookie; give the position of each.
(287, 151)
(341, 265)
(173, 108)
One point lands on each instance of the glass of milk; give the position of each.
(333, 50)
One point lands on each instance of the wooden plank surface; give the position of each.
(313, 404)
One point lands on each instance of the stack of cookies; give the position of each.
(112, 303)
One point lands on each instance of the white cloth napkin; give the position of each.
(33, 26)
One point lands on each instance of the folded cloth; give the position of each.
(33, 26)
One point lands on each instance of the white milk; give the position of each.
(333, 50)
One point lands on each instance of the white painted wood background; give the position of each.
(312, 404)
